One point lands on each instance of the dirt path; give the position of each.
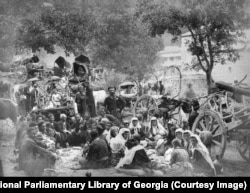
(233, 164)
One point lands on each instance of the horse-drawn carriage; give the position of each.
(46, 88)
(217, 118)
(129, 91)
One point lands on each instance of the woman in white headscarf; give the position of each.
(156, 129)
(187, 140)
(117, 145)
(113, 132)
(200, 157)
(134, 126)
(179, 135)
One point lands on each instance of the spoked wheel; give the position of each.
(145, 105)
(243, 146)
(209, 126)
(21, 73)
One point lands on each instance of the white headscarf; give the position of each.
(158, 130)
(109, 137)
(135, 128)
(159, 143)
(188, 131)
(179, 130)
(190, 134)
(105, 120)
(118, 142)
(62, 115)
(200, 145)
(203, 150)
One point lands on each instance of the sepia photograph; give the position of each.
(124, 88)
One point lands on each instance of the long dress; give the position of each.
(81, 100)
(90, 102)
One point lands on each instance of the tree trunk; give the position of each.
(139, 86)
(209, 81)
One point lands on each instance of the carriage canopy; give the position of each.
(62, 63)
(127, 84)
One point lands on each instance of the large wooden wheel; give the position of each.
(21, 74)
(243, 146)
(145, 105)
(211, 129)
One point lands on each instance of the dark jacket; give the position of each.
(112, 104)
(141, 132)
(54, 125)
(59, 126)
(98, 150)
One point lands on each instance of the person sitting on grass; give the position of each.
(98, 154)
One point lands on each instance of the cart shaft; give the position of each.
(233, 89)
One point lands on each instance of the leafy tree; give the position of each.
(122, 41)
(11, 14)
(106, 30)
(63, 23)
(214, 28)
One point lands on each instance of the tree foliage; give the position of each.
(214, 27)
(57, 26)
(122, 41)
(11, 14)
(106, 30)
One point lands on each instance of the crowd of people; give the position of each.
(108, 141)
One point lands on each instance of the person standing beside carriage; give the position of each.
(90, 100)
(190, 107)
(31, 93)
(161, 88)
(114, 104)
(189, 93)
(81, 100)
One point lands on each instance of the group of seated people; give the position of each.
(131, 146)
(106, 143)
